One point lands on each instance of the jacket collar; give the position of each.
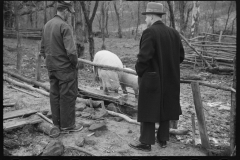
(59, 17)
(157, 22)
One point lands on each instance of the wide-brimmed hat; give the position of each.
(65, 4)
(154, 8)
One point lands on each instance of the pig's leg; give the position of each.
(105, 90)
(101, 84)
(123, 88)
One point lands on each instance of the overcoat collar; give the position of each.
(157, 22)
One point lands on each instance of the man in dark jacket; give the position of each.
(158, 69)
(58, 47)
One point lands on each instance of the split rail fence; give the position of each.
(25, 33)
(216, 49)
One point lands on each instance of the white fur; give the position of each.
(129, 80)
(110, 79)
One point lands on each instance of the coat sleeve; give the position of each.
(182, 53)
(69, 44)
(146, 52)
(42, 52)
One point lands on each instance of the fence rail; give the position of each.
(218, 52)
(25, 33)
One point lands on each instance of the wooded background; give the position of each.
(123, 19)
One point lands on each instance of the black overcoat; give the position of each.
(158, 68)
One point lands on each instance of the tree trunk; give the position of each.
(233, 24)
(228, 15)
(138, 20)
(106, 14)
(19, 54)
(172, 19)
(79, 29)
(89, 25)
(103, 24)
(36, 19)
(213, 17)
(45, 12)
(118, 19)
(55, 8)
(181, 13)
(195, 18)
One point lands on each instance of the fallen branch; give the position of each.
(45, 93)
(210, 85)
(23, 91)
(172, 131)
(47, 88)
(44, 117)
(9, 104)
(209, 66)
(25, 86)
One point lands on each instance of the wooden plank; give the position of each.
(16, 123)
(129, 99)
(18, 113)
(200, 115)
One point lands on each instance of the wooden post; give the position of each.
(49, 129)
(200, 114)
(19, 54)
(38, 65)
(233, 112)
(220, 36)
(193, 127)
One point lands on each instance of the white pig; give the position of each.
(109, 79)
(129, 80)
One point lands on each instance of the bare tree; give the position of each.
(172, 18)
(103, 24)
(88, 6)
(228, 15)
(79, 29)
(19, 53)
(45, 12)
(213, 18)
(55, 8)
(233, 24)
(118, 14)
(195, 18)
(184, 21)
(89, 24)
(138, 20)
(106, 14)
(36, 18)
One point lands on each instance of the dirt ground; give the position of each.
(113, 140)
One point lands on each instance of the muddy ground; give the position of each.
(114, 138)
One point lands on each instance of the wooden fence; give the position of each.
(25, 33)
(218, 50)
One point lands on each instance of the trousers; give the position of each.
(63, 95)
(147, 132)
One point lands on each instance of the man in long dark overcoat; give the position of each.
(158, 69)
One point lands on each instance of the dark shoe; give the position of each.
(140, 146)
(163, 144)
(75, 128)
